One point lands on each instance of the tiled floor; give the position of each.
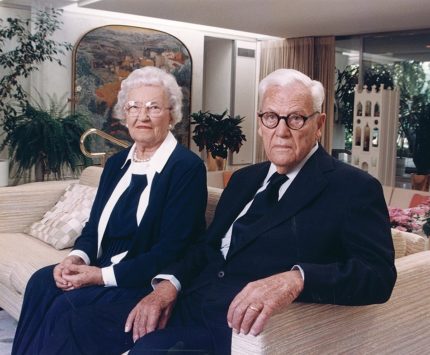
(7, 331)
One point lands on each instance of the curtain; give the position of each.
(313, 56)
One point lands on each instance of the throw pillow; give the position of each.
(418, 199)
(61, 225)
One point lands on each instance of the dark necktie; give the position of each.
(122, 224)
(263, 202)
(122, 220)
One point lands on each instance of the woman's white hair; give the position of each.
(285, 77)
(151, 76)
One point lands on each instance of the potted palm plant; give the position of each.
(218, 134)
(46, 138)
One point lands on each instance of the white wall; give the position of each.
(244, 105)
(218, 56)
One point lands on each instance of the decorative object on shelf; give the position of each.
(99, 70)
(46, 139)
(218, 134)
(375, 132)
(414, 219)
(346, 80)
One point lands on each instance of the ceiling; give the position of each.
(283, 18)
(280, 18)
(287, 18)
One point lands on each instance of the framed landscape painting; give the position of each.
(106, 55)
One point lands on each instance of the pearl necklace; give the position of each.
(137, 160)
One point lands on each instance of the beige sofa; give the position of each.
(398, 326)
(21, 254)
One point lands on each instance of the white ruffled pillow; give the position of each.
(62, 225)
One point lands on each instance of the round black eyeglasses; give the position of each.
(293, 120)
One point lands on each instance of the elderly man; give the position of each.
(302, 226)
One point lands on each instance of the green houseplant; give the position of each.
(24, 45)
(46, 138)
(217, 133)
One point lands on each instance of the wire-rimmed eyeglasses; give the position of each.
(293, 120)
(134, 108)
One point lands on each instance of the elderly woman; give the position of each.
(149, 206)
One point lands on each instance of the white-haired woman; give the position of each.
(149, 206)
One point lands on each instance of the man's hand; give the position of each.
(252, 307)
(83, 275)
(63, 269)
(153, 311)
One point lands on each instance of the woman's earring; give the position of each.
(170, 126)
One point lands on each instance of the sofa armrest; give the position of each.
(397, 326)
(24, 204)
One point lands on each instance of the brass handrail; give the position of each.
(101, 155)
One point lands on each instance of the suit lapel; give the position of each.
(234, 199)
(307, 185)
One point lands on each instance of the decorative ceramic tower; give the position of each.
(376, 118)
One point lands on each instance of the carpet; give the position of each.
(7, 331)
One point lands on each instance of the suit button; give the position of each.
(221, 274)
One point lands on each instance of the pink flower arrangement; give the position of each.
(414, 219)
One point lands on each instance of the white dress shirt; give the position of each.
(225, 242)
(154, 165)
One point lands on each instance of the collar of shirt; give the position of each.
(291, 175)
(158, 160)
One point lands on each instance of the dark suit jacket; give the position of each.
(332, 221)
(175, 216)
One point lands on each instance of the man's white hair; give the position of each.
(286, 77)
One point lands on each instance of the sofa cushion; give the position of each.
(418, 199)
(21, 256)
(402, 198)
(63, 223)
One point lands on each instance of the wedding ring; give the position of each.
(255, 309)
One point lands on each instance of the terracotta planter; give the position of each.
(420, 182)
(216, 163)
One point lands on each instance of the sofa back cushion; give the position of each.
(91, 176)
(419, 199)
(402, 198)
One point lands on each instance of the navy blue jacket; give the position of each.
(332, 221)
(175, 216)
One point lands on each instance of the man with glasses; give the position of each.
(302, 226)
